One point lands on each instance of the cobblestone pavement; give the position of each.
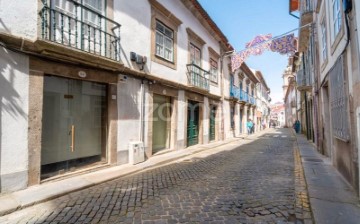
(254, 183)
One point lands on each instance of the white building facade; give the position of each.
(83, 83)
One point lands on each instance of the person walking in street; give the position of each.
(253, 127)
(249, 125)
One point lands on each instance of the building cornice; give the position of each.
(199, 12)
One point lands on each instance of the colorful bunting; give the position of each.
(258, 40)
(237, 60)
(284, 45)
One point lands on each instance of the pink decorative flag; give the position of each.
(239, 58)
(284, 45)
(255, 47)
(258, 40)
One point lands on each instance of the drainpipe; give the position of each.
(142, 112)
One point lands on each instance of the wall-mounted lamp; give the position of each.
(140, 60)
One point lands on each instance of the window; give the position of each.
(164, 28)
(339, 101)
(336, 16)
(80, 24)
(323, 40)
(195, 55)
(164, 42)
(213, 71)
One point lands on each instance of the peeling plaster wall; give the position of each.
(14, 98)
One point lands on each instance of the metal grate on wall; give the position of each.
(339, 101)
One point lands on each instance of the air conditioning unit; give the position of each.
(136, 152)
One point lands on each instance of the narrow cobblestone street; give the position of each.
(253, 183)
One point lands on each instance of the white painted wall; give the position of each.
(129, 113)
(226, 74)
(135, 18)
(227, 124)
(237, 119)
(19, 18)
(326, 10)
(14, 98)
(182, 122)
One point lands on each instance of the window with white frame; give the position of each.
(213, 71)
(164, 42)
(89, 13)
(323, 40)
(336, 18)
(97, 6)
(195, 55)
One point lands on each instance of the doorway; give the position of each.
(161, 123)
(74, 125)
(212, 131)
(193, 112)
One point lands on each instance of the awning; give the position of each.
(293, 5)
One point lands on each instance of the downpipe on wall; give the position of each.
(142, 112)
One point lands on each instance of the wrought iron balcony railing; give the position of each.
(81, 27)
(198, 77)
(246, 96)
(235, 92)
(252, 100)
(241, 95)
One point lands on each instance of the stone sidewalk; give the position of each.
(57, 188)
(332, 199)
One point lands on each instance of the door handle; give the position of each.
(72, 146)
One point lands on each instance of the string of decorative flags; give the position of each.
(285, 44)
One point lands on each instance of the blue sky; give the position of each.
(242, 20)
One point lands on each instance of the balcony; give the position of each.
(252, 100)
(198, 77)
(303, 80)
(306, 17)
(235, 92)
(80, 27)
(241, 95)
(245, 96)
(306, 11)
